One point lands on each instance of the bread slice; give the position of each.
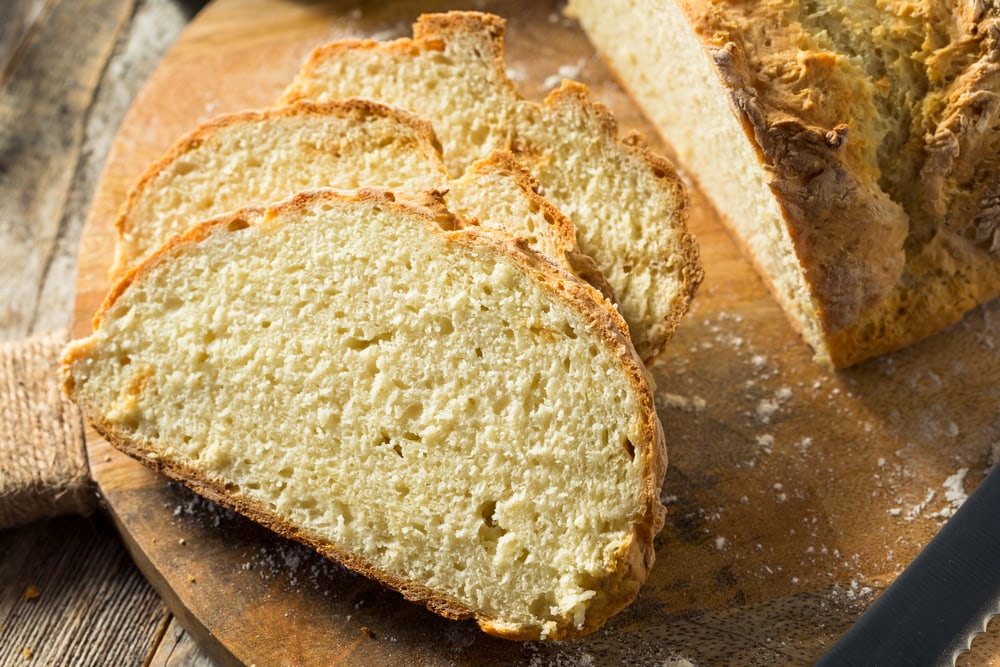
(441, 409)
(851, 147)
(628, 205)
(259, 157)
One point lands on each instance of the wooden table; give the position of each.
(755, 565)
(69, 69)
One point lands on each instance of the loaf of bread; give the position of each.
(433, 405)
(627, 204)
(851, 146)
(259, 157)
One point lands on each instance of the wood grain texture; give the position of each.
(71, 595)
(794, 494)
(178, 649)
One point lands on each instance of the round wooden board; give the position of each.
(794, 493)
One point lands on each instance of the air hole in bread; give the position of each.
(540, 605)
(490, 531)
(343, 511)
(630, 448)
(500, 404)
(237, 225)
(444, 325)
(358, 343)
(182, 167)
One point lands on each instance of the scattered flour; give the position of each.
(767, 407)
(954, 493)
(517, 74)
(954, 496)
(678, 661)
(918, 509)
(565, 72)
(676, 401)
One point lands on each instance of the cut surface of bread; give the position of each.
(441, 409)
(258, 157)
(851, 146)
(628, 205)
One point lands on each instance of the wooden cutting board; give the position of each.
(794, 494)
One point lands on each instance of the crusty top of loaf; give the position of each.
(629, 206)
(879, 126)
(434, 405)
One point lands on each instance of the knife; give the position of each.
(942, 600)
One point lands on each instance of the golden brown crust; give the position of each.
(630, 567)
(880, 151)
(848, 235)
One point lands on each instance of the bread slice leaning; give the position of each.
(259, 157)
(254, 158)
(850, 146)
(627, 204)
(441, 409)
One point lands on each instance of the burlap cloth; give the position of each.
(43, 463)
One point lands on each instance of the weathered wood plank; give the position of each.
(70, 594)
(43, 106)
(152, 30)
(68, 73)
(16, 19)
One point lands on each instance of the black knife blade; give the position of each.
(941, 601)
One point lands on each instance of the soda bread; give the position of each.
(259, 157)
(437, 407)
(851, 145)
(628, 205)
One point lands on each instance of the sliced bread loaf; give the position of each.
(851, 147)
(259, 157)
(441, 409)
(628, 205)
